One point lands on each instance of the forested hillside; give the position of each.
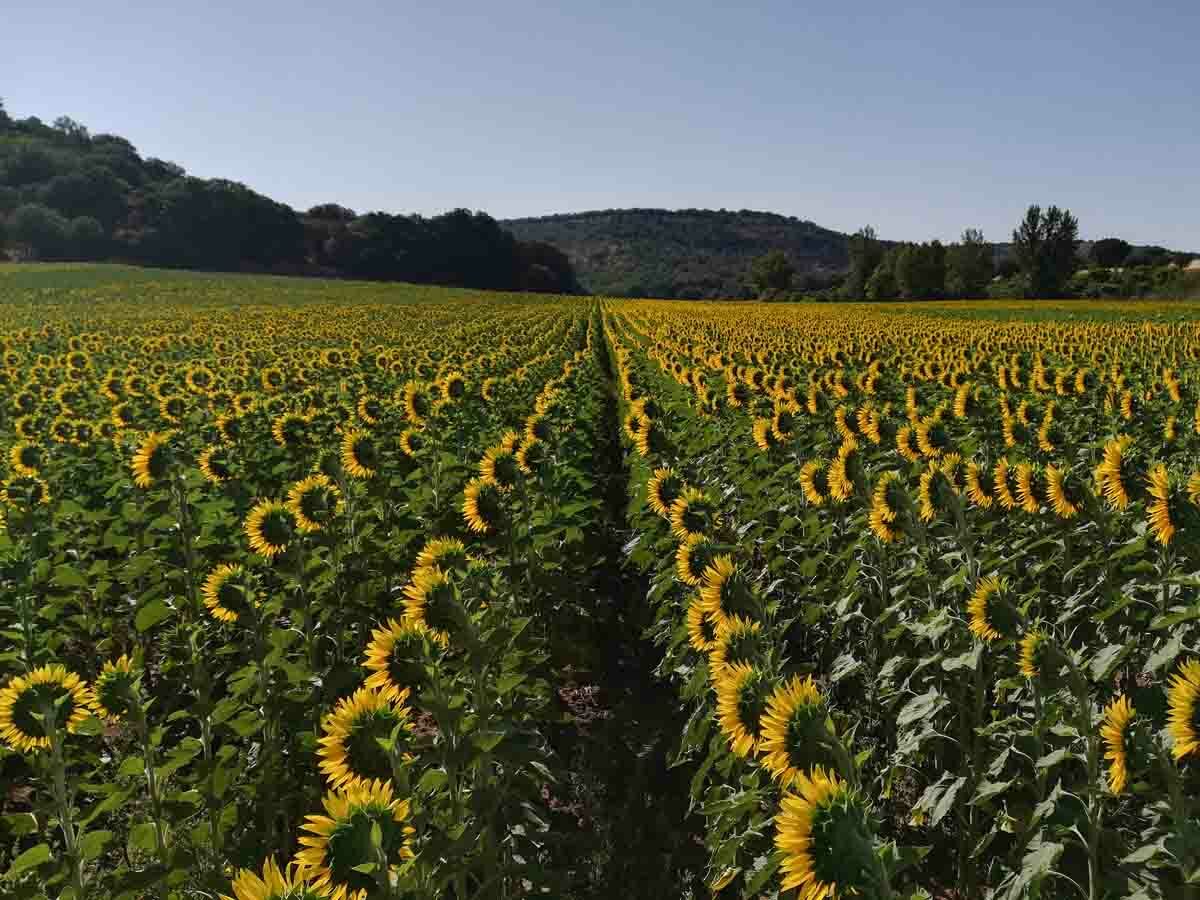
(693, 253)
(68, 194)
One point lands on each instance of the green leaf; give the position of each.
(923, 706)
(68, 577)
(1037, 864)
(509, 681)
(92, 844)
(132, 765)
(990, 789)
(1167, 653)
(1107, 660)
(143, 837)
(151, 614)
(30, 859)
(946, 803)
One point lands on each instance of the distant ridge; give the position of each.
(694, 253)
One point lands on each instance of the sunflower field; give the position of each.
(337, 590)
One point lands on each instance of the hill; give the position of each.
(694, 253)
(66, 194)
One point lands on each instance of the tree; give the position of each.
(332, 212)
(882, 283)
(1045, 246)
(865, 253)
(1108, 253)
(73, 131)
(920, 270)
(5, 119)
(969, 265)
(771, 274)
(42, 231)
(86, 238)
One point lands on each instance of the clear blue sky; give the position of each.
(919, 118)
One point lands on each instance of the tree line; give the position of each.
(1044, 260)
(66, 194)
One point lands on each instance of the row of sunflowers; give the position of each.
(280, 580)
(927, 582)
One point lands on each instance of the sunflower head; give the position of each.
(396, 657)
(793, 730)
(357, 735)
(701, 629)
(693, 513)
(216, 464)
(444, 553)
(412, 442)
(814, 481)
(1118, 473)
(26, 491)
(692, 558)
(532, 455)
(27, 699)
(1123, 743)
(499, 467)
(662, 490)
(739, 640)
(1040, 658)
(270, 527)
(823, 832)
(992, 613)
(274, 884)
(725, 590)
(228, 593)
(888, 503)
(483, 507)
(153, 458)
(291, 430)
(339, 849)
(432, 600)
(116, 688)
(26, 458)
(1183, 721)
(315, 502)
(360, 457)
(742, 693)
(418, 402)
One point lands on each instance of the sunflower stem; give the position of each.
(62, 797)
(152, 785)
(1094, 810)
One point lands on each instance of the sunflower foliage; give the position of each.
(255, 643)
(960, 547)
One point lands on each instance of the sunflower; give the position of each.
(349, 751)
(1113, 472)
(883, 514)
(25, 699)
(662, 490)
(369, 410)
(499, 467)
(229, 428)
(26, 458)
(510, 441)
(359, 456)
(482, 507)
(1113, 730)
(742, 692)
(1183, 721)
(814, 481)
(272, 380)
(739, 640)
(979, 485)
(694, 512)
(692, 558)
(1060, 494)
(26, 490)
(538, 427)
(1026, 492)
(314, 501)
(1004, 480)
(841, 474)
(274, 884)
(532, 455)
(823, 833)
(291, 429)
(225, 591)
(792, 728)
(215, 464)
(764, 437)
(432, 601)
(152, 459)
(701, 629)
(396, 657)
(270, 527)
(1036, 647)
(651, 439)
(992, 615)
(173, 409)
(1158, 513)
(936, 488)
(339, 844)
(725, 591)
(418, 404)
(412, 442)
(116, 688)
